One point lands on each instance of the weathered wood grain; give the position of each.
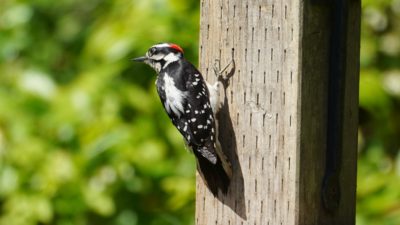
(274, 117)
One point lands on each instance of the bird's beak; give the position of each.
(140, 59)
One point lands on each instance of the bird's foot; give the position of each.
(222, 74)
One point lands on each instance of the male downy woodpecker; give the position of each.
(191, 104)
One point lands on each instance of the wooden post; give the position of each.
(275, 116)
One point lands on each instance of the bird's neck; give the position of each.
(171, 66)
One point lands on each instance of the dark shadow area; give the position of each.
(226, 134)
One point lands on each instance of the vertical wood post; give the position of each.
(274, 119)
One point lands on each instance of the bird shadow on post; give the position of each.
(234, 199)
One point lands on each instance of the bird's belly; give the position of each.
(174, 98)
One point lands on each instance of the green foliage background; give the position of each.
(83, 137)
(378, 192)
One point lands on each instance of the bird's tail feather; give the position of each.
(214, 175)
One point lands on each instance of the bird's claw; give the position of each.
(220, 73)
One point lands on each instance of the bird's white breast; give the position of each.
(174, 97)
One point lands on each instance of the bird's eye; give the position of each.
(152, 51)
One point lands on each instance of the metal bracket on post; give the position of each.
(331, 191)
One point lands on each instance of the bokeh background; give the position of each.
(83, 137)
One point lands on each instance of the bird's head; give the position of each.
(159, 56)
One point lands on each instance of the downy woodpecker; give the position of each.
(191, 104)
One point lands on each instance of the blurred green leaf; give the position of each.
(378, 187)
(83, 136)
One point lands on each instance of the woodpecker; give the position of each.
(191, 104)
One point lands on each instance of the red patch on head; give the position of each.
(176, 47)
